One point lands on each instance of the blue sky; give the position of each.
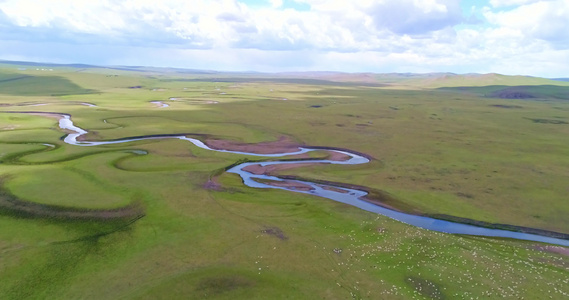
(523, 37)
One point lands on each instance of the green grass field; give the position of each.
(441, 146)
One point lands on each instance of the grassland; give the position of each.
(438, 150)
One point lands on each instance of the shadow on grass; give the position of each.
(28, 85)
(12, 206)
(306, 81)
(527, 92)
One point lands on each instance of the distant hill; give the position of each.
(388, 80)
(38, 64)
(492, 79)
(45, 85)
(516, 92)
(24, 64)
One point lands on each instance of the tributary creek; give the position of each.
(341, 194)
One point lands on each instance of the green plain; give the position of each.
(437, 148)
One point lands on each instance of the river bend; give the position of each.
(341, 194)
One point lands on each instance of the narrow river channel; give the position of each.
(336, 193)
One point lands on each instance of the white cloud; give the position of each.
(544, 20)
(342, 25)
(503, 3)
(276, 3)
(416, 17)
(367, 35)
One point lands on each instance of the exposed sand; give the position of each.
(337, 156)
(266, 170)
(290, 185)
(283, 145)
(273, 146)
(334, 189)
(46, 114)
(554, 249)
(212, 184)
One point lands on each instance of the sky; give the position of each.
(513, 37)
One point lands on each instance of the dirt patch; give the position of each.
(300, 156)
(554, 249)
(44, 114)
(293, 185)
(267, 170)
(425, 287)
(338, 156)
(282, 145)
(275, 231)
(334, 189)
(212, 184)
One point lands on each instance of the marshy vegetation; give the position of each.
(239, 242)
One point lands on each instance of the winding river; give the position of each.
(336, 193)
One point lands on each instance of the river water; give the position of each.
(336, 193)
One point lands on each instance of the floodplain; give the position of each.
(162, 219)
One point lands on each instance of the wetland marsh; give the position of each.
(352, 197)
(185, 228)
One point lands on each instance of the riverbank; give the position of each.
(355, 196)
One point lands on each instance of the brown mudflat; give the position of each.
(282, 145)
(290, 185)
(554, 249)
(266, 170)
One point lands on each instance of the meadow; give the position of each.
(441, 145)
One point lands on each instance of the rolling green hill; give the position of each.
(42, 85)
(553, 92)
(160, 219)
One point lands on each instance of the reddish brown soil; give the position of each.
(379, 203)
(283, 145)
(337, 156)
(330, 188)
(554, 249)
(290, 185)
(299, 156)
(275, 231)
(49, 115)
(266, 170)
(212, 184)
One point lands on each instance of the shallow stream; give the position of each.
(336, 193)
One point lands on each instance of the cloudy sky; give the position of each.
(527, 37)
